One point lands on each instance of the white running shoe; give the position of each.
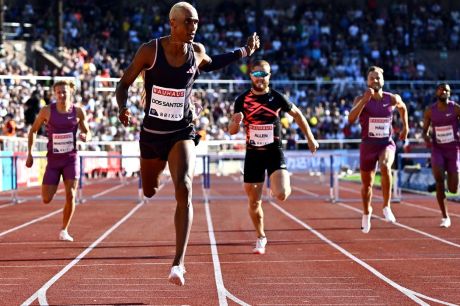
(366, 222)
(389, 217)
(260, 245)
(176, 276)
(64, 236)
(445, 222)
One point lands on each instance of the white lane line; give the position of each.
(404, 202)
(313, 277)
(396, 223)
(312, 289)
(415, 296)
(328, 304)
(40, 294)
(427, 208)
(448, 261)
(60, 190)
(131, 290)
(123, 278)
(30, 222)
(188, 263)
(9, 204)
(305, 191)
(222, 292)
(142, 243)
(55, 212)
(400, 224)
(430, 276)
(235, 299)
(339, 260)
(404, 226)
(38, 197)
(124, 297)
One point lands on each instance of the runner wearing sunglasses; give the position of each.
(259, 108)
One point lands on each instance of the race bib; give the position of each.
(260, 135)
(63, 143)
(167, 103)
(379, 127)
(444, 134)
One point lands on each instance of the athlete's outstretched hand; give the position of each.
(29, 161)
(83, 137)
(403, 134)
(253, 43)
(427, 140)
(313, 145)
(237, 117)
(124, 115)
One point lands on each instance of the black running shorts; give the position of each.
(159, 145)
(257, 162)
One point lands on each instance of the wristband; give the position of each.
(122, 109)
(243, 51)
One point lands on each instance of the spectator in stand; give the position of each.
(9, 126)
(320, 45)
(33, 107)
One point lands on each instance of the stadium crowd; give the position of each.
(320, 42)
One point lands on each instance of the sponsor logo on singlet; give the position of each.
(444, 134)
(167, 103)
(379, 127)
(261, 134)
(63, 143)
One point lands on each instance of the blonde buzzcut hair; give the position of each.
(179, 7)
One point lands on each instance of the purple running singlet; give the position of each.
(445, 152)
(375, 120)
(62, 149)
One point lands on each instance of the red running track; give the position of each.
(316, 254)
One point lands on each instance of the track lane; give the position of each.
(36, 252)
(146, 261)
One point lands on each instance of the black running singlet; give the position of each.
(261, 118)
(167, 93)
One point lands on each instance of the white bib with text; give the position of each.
(63, 143)
(444, 134)
(379, 127)
(260, 135)
(167, 103)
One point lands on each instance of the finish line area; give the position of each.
(316, 252)
(330, 169)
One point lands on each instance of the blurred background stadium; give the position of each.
(319, 51)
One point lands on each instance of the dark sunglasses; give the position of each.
(259, 74)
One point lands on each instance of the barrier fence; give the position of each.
(329, 168)
(108, 167)
(95, 168)
(414, 172)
